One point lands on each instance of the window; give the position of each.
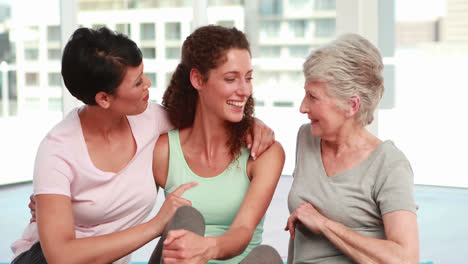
(259, 103)
(147, 31)
(173, 31)
(325, 27)
(298, 28)
(153, 78)
(53, 33)
(148, 53)
(31, 54)
(224, 2)
(98, 26)
(271, 7)
(54, 54)
(325, 4)
(299, 4)
(270, 52)
(124, 29)
(173, 53)
(283, 104)
(54, 79)
(5, 47)
(168, 3)
(299, 51)
(31, 79)
(268, 77)
(429, 64)
(270, 29)
(12, 94)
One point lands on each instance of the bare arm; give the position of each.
(57, 234)
(181, 245)
(58, 241)
(401, 229)
(161, 160)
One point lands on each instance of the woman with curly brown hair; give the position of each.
(209, 100)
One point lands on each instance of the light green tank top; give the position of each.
(217, 198)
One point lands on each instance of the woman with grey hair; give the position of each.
(352, 196)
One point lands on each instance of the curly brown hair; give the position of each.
(205, 49)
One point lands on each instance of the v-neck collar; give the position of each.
(366, 161)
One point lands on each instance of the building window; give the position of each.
(271, 7)
(148, 53)
(224, 2)
(147, 31)
(31, 54)
(170, 3)
(298, 51)
(98, 26)
(299, 4)
(325, 27)
(124, 29)
(269, 77)
(12, 93)
(54, 54)
(283, 104)
(298, 28)
(54, 79)
(296, 78)
(259, 103)
(153, 78)
(325, 4)
(270, 52)
(270, 29)
(173, 53)
(173, 31)
(32, 79)
(53, 33)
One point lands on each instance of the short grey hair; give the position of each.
(349, 65)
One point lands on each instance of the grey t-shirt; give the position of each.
(356, 198)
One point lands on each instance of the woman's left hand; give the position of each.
(308, 216)
(261, 138)
(183, 246)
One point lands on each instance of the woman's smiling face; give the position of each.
(326, 117)
(228, 86)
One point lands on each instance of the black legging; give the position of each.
(32, 256)
(189, 218)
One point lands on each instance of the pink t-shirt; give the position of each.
(102, 202)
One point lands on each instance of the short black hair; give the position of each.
(96, 61)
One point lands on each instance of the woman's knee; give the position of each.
(188, 218)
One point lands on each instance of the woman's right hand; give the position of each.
(173, 201)
(32, 208)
